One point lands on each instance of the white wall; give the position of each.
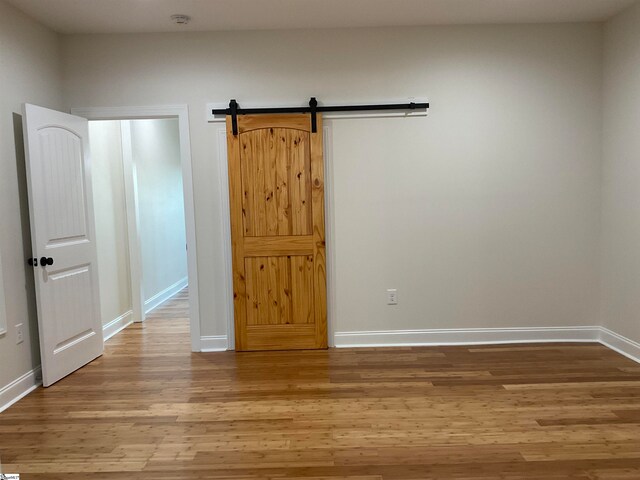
(621, 175)
(29, 72)
(484, 214)
(155, 146)
(111, 219)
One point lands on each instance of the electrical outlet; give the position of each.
(392, 296)
(19, 334)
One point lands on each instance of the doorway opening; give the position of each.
(141, 233)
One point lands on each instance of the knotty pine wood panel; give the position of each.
(319, 250)
(236, 217)
(302, 289)
(292, 245)
(150, 409)
(279, 290)
(294, 121)
(290, 336)
(276, 182)
(276, 194)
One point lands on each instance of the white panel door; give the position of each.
(63, 238)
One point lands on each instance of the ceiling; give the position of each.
(119, 16)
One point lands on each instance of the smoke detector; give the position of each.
(180, 19)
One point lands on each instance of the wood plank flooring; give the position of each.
(150, 409)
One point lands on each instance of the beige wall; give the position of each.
(484, 214)
(111, 219)
(3, 310)
(621, 176)
(155, 146)
(29, 72)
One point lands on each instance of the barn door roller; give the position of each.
(313, 108)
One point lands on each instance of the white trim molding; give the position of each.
(488, 336)
(19, 388)
(164, 295)
(466, 336)
(133, 222)
(214, 343)
(329, 225)
(117, 325)
(223, 172)
(620, 344)
(129, 113)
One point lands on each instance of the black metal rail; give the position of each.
(234, 110)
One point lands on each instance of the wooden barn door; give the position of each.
(276, 189)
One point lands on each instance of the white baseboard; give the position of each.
(466, 336)
(28, 382)
(165, 294)
(20, 388)
(116, 325)
(217, 343)
(620, 344)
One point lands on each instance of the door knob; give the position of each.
(44, 261)
(33, 262)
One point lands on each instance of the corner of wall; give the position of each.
(33, 53)
(620, 179)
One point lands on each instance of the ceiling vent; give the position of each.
(180, 19)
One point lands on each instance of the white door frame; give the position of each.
(133, 222)
(182, 113)
(223, 173)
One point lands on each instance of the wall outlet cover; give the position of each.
(19, 334)
(392, 296)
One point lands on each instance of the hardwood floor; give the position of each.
(150, 409)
